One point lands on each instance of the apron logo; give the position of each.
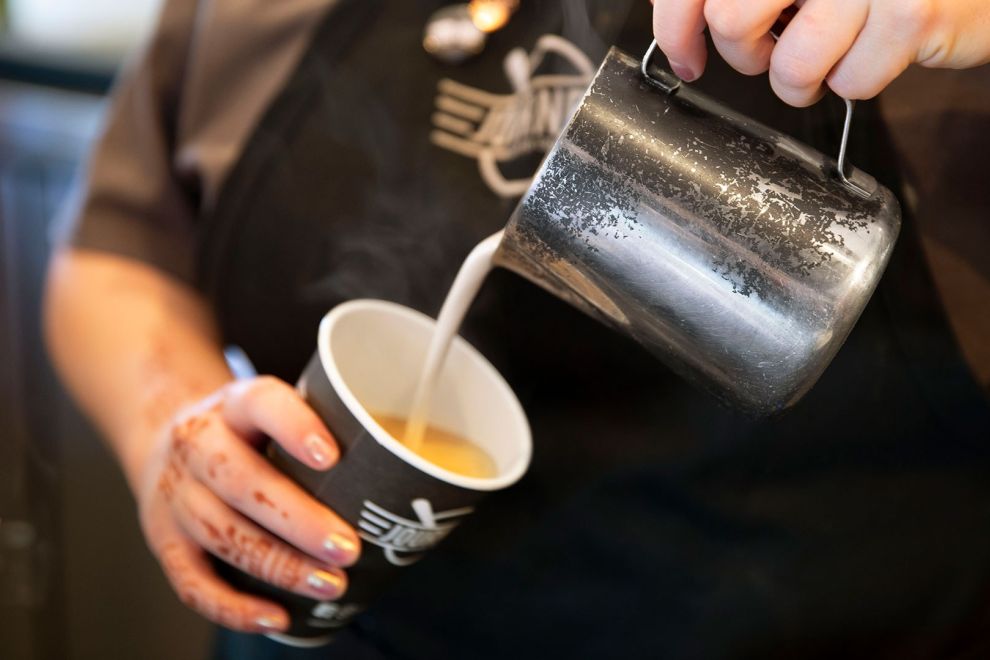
(499, 128)
(404, 541)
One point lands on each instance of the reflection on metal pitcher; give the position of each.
(736, 254)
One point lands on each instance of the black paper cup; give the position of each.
(369, 357)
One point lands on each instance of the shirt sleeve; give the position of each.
(131, 201)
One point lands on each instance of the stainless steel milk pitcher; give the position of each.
(738, 255)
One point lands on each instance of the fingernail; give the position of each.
(325, 582)
(271, 622)
(342, 549)
(318, 449)
(683, 72)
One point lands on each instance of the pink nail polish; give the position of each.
(341, 549)
(271, 622)
(318, 449)
(683, 72)
(325, 582)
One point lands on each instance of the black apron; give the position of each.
(653, 522)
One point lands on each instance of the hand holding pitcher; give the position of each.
(855, 48)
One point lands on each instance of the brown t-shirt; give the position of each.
(181, 114)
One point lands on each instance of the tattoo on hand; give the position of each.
(164, 393)
(256, 555)
(190, 590)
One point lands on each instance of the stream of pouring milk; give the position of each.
(469, 279)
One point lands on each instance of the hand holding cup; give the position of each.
(208, 491)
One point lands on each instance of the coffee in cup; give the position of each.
(443, 448)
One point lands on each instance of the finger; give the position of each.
(271, 406)
(247, 482)
(881, 53)
(199, 587)
(815, 39)
(679, 28)
(954, 38)
(242, 544)
(741, 31)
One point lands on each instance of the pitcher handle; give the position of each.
(670, 83)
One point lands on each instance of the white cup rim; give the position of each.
(505, 478)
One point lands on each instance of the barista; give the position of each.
(262, 165)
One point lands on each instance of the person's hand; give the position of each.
(856, 47)
(206, 489)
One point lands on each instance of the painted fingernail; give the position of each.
(341, 548)
(325, 582)
(683, 72)
(271, 622)
(318, 449)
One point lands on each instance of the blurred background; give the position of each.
(75, 579)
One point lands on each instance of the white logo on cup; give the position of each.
(404, 541)
(332, 615)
